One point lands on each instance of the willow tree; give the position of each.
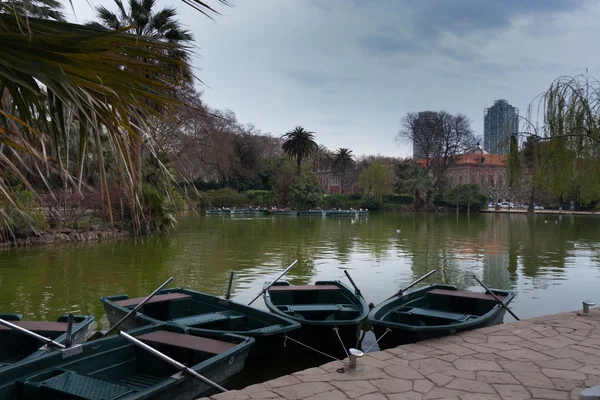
(565, 142)
(50, 68)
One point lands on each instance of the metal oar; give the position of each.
(175, 363)
(496, 298)
(48, 341)
(228, 295)
(101, 334)
(401, 291)
(273, 281)
(356, 289)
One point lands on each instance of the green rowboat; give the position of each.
(116, 369)
(433, 311)
(319, 308)
(205, 314)
(15, 346)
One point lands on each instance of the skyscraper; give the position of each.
(500, 122)
(427, 136)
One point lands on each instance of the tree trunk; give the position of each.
(530, 209)
(299, 161)
(417, 200)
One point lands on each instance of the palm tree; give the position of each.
(414, 179)
(51, 68)
(343, 160)
(299, 143)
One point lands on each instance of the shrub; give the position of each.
(260, 197)
(355, 196)
(226, 198)
(306, 192)
(399, 198)
(371, 204)
(27, 217)
(335, 201)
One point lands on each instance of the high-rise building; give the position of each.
(427, 135)
(500, 122)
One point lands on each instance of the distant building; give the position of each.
(427, 135)
(479, 167)
(500, 122)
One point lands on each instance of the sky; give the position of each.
(348, 70)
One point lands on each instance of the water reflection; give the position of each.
(552, 261)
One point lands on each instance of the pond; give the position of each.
(551, 261)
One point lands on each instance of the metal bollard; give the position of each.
(586, 307)
(592, 393)
(354, 355)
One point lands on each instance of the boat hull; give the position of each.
(319, 309)
(269, 336)
(434, 311)
(114, 365)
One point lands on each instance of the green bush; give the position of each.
(263, 198)
(224, 198)
(371, 204)
(399, 198)
(26, 217)
(355, 196)
(306, 193)
(335, 201)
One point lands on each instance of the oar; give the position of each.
(356, 289)
(401, 291)
(496, 298)
(228, 295)
(48, 341)
(273, 281)
(169, 360)
(68, 339)
(101, 334)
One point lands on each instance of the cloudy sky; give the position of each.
(350, 69)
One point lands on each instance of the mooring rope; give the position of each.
(286, 337)
(335, 329)
(380, 337)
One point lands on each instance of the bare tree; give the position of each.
(440, 137)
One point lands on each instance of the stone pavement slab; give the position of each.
(549, 357)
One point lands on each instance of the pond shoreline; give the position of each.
(66, 235)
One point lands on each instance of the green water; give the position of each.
(553, 262)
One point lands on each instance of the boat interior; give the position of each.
(442, 307)
(16, 346)
(314, 302)
(183, 309)
(117, 372)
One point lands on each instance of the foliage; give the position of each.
(263, 198)
(335, 201)
(299, 143)
(306, 192)
(225, 198)
(343, 161)
(468, 196)
(284, 179)
(567, 139)
(394, 198)
(412, 178)
(375, 180)
(371, 203)
(55, 71)
(23, 216)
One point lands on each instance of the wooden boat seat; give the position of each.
(468, 295)
(81, 386)
(196, 343)
(426, 312)
(159, 298)
(39, 326)
(192, 320)
(302, 288)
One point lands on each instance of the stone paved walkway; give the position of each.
(551, 357)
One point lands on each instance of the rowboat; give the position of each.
(285, 212)
(319, 308)
(115, 368)
(312, 213)
(434, 311)
(204, 314)
(218, 211)
(15, 347)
